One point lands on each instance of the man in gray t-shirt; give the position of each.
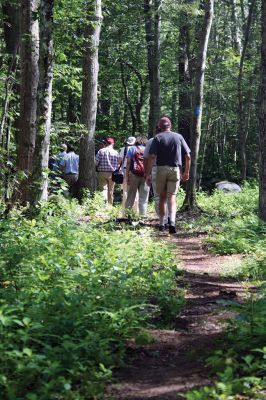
(166, 148)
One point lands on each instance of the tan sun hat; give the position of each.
(131, 140)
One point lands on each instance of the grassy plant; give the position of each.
(233, 226)
(72, 294)
(240, 367)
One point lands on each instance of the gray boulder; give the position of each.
(226, 186)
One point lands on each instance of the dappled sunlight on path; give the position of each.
(174, 363)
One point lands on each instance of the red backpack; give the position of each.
(137, 163)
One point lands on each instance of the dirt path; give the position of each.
(174, 363)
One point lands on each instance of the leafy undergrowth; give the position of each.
(72, 294)
(232, 225)
(240, 366)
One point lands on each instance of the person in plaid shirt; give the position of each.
(107, 162)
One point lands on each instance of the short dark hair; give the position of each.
(141, 140)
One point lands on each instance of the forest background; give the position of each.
(72, 292)
(150, 61)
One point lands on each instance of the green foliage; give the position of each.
(240, 370)
(144, 338)
(233, 226)
(72, 294)
(240, 366)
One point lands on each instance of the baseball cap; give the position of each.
(164, 123)
(131, 140)
(109, 140)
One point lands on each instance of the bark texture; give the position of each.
(152, 9)
(242, 114)
(44, 110)
(190, 199)
(89, 96)
(262, 118)
(28, 102)
(184, 113)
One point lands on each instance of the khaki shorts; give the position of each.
(167, 179)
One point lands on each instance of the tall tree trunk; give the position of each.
(28, 95)
(184, 112)
(44, 110)
(152, 9)
(241, 109)
(71, 109)
(262, 117)
(236, 42)
(89, 96)
(190, 201)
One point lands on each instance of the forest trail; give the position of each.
(174, 363)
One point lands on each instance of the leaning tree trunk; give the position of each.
(152, 9)
(262, 118)
(44, 110)
(28, 95)
(89, 96)
(190, 201)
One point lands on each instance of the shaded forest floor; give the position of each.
(175, 362)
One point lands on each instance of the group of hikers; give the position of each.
(142, 163)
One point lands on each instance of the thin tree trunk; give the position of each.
(7, 172)
(190, 201)
(89, 96)
(124, 118)
(28, 100)
(136, 110)
(241, 110)
(206, 139)
(71, 109)
(152, 9)
(127, 99)
(9, 83)
(236, 42)
(11, 30)
(44, 111)
(262, 118)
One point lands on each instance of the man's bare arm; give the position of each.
(185, 175)
(148, 166)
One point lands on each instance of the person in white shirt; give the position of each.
(69, 165)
